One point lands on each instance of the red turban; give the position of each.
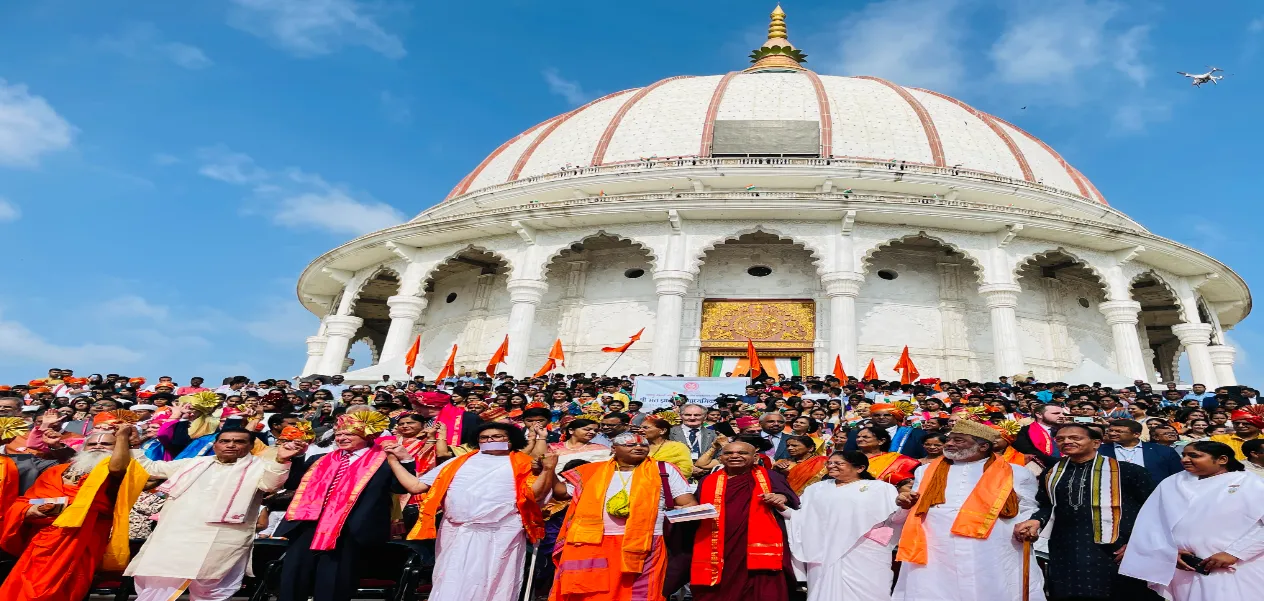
(1255, 419)
(887, 408)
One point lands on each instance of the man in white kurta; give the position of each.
(207, 525)
(960, 568)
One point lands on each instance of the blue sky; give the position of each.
(168, 168)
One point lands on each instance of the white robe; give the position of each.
(183, 544)
(1203, 517)
(828, 534)
(481, 547)
(960, 568)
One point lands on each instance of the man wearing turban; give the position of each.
(1247, 424)
(904, 439)
(341, 508)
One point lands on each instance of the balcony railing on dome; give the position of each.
(899, 166)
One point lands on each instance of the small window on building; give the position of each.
(759, 271)
(1084, 302)
(633, 273)
(887, 274)
(451, 297)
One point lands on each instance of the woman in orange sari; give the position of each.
(884, 464)
(420, 442)
(804, 467)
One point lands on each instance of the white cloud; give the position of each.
(395, 108)
(9, 211)
(310, 28)
(165, 159)
(568, 89)
(299, 199)
(29, 127)
(1256, 25)
(143, 41)
(1064, 47)
(910, 42)
(19, 343)
(130, 306)
(282, 322)
(1134, 116)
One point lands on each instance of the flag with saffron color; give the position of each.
(449, 367)
(623, 347)
(756, 368)
(498, 357)
(556, 358)
(410, 358)
(838, 369)
(908, 371)
(871, 372)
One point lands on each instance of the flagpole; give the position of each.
(616, 360)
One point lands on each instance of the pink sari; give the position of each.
(309, 500)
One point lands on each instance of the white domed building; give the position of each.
(820, 216)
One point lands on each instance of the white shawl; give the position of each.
(233, 502)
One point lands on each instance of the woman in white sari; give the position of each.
(1209, 517)
(841, 531)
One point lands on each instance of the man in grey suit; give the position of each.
(773, 425)
(691, 430)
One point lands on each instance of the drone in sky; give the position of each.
(1198, 79)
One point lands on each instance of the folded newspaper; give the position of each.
(705, 511)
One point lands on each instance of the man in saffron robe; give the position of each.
(610, 547)
(491, 509)
(742, 554)
(61, 546)
(341, 507)
(957, 543)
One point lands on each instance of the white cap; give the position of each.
(30, 408)
(144, 407)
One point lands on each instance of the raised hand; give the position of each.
(549, 462)
(290, 449)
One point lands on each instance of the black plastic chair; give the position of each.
(385, 571)
(418, 570)
(265, 564)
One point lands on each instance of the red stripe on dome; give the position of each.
(708, 126)
(464, 185)
(996, 128)
(526, 155)
(827, 120)
(600, 154)
(928, 126)
(1081, 182)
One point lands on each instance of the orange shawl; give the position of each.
(585, 522)
(976, 517)
(528, 509)
(1011, 455)
(892, 468)
(764, 546)
(805, 473)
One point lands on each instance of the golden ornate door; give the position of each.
(779, 329)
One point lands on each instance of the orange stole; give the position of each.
(8, 485)
(763, 535)
(805, 473)
(528, 510)
(892, 467)
(976, 517)
(585, 522)
(1011, 455)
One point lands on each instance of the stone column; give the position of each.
(842, 288)
(315, 350)
(956, 345)
(1148, 355)
(1194, 337)
(339, 329)
(1222, 356)
(1122, 316)
(1001, 300)
(525, 295)
(671, 286)
(404, 312)
(572, 301)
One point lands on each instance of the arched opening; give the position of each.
(1060, 324)
(1160, 310)
(920, 292)
(466, 305)
(760, 286)
(599, 295)
(370, 305)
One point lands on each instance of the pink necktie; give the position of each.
(344, 462)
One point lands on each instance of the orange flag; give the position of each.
(623, 347)
(449, 367)
(908, 371)
(498, 357)
(410, 358)
(756, 368)
(838, 369)
(871, 372)
(556, 358)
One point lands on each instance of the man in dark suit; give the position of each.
(773, 429)
(1036, 439)
(322, 554)
(904, 439)
(692, 431)
(1124, 443)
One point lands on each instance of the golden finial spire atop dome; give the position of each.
(777, 54)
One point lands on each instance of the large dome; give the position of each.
(859, 118)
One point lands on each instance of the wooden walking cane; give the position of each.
(1026, 570)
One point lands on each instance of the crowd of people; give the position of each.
(568, 488)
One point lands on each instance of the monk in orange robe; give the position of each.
(60, 546)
